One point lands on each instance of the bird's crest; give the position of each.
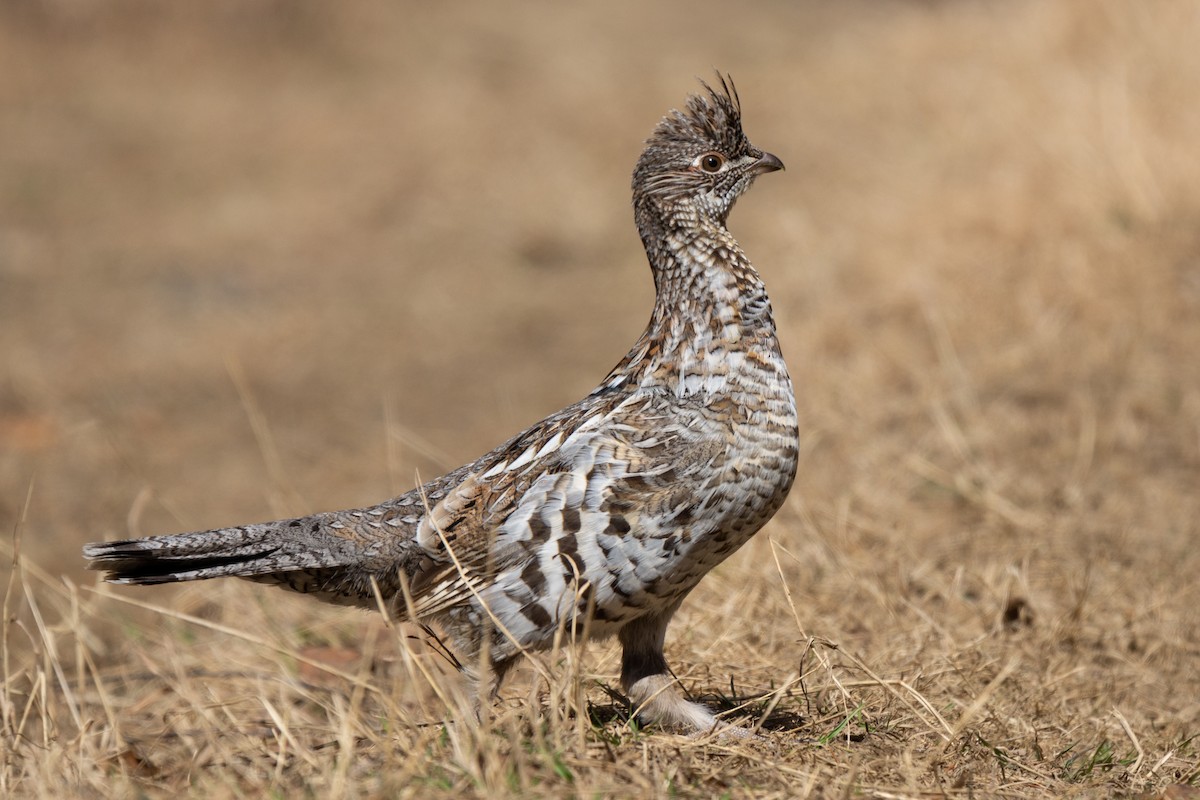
(714, 117)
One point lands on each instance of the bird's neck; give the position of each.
(709, 305)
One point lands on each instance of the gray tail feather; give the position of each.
(244, 552)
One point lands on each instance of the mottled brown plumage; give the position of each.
(615, 506)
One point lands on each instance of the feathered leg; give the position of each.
(649, 684)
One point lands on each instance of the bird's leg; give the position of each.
(483, 686)
(499, 670)
(649, 684)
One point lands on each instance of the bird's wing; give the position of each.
(628, 466)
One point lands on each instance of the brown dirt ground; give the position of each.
(262, 258)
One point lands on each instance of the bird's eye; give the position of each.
(711, 162)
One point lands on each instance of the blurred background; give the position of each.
(263, 258)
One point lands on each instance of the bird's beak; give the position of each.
(766, 163)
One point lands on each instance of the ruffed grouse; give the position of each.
(614, 507)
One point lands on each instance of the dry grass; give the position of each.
(260, 258)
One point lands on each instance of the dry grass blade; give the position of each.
(250, 638)
(286, 496)
(981, 700)
(1133, 739)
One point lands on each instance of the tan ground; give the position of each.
(262, 258)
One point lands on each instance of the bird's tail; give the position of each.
(257, 551)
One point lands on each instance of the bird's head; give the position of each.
(698, 161)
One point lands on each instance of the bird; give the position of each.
(602, 517)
